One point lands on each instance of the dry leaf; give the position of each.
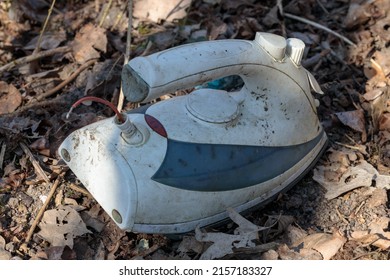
(357, 176)
(223, 243)
(270, 255)
(2, 242)
(378, 197)
(55, 252)
(355, 120)
(49, 41)
(190, 244)
(373, 94)
(285, 253)
(294, 234)
(354, 177)
(324, 243)
(154, 11)
(5, 255)
(92, 222)
(87, 41)
(60, 226)
(375, 236)
(384, 122)
(357, 15)
(10, 98)
(382, 60)
(40, 144)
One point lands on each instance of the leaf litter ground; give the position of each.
(340, 210)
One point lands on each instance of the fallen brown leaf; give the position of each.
(378, 197)
(384, 122)
(49, 41)
(88, 41)
(10, 98)
(324, 243)
(355, 120)
(61, 225)
(154, 11)
(375, 236)
(360, 175)
(354, 177)
(223, 243)
(357, 14)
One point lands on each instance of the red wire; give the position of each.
(100, 100)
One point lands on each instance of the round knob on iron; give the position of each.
(295, 49)
(273, 44)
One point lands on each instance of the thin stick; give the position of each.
(43, 208)
(319, 26)
(54, 8)
(38, 101)
(322, 7)
(34, 162)
(105, 13)
(279, 4)
(67, 81)
(38, 46)
(2, 153)
(128, 49)
(45, 103)
(32, 57)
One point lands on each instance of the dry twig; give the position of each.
(67, 81)
(39, 100)
(319, 26)
(34, 162)
(105, 13)
(45, 103)
(32, 57)
(38, 46)
(2, 153)
(43, 208)
(128, 46)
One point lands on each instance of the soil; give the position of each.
(353, 72)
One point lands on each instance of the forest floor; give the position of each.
(340, 210)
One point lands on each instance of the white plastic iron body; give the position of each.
(192, 157)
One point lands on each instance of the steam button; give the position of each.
(274, 45)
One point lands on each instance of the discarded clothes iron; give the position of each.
(180, 163)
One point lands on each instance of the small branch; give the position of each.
(105, 13)
(2, 154)
(67, 81)
(44, 103)
(128, 49)
(32, 57)
(39, 100)
(129, 28)
(43, 209)
(319, 26)
(54, 8)
(279, 4)
(322, 7)
(38, 46)
(34, 162)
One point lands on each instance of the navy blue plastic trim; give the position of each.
(218, 167)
